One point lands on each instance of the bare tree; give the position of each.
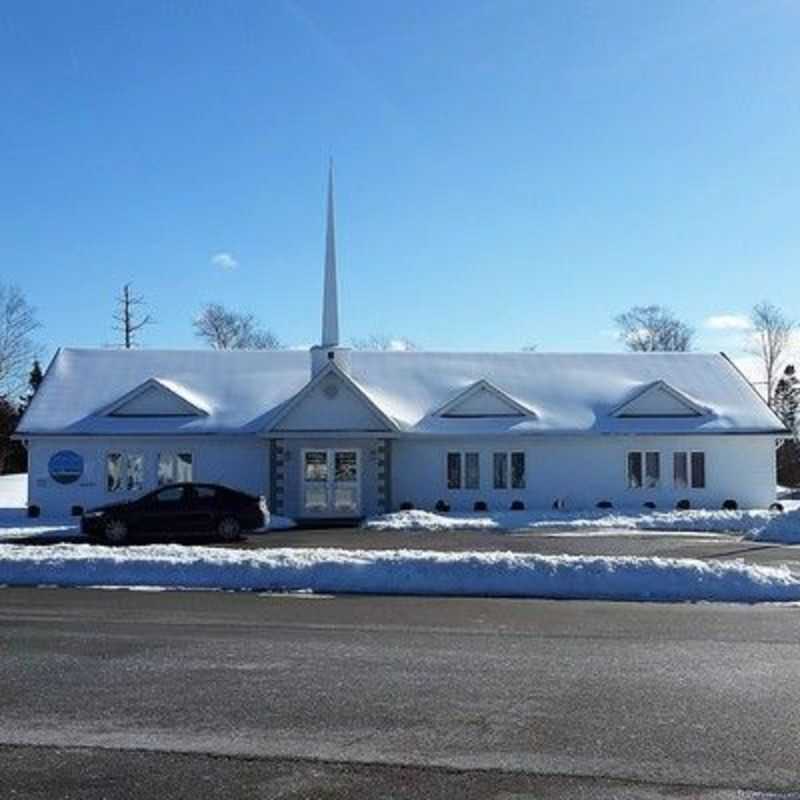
(17, 348)
(772, 333)
(128, 318)
(380, 341)
(653, 328)
(224, 329)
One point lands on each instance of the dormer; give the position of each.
(659, 400)
(156, 397)
(481, 400)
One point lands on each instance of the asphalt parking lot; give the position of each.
(651, 544)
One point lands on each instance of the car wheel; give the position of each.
(115, 532)
(229, 529)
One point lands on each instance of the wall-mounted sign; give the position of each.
(65, 466)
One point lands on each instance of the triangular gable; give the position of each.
(483, 399)
(155, 398)
(332, 401)
(659, 399)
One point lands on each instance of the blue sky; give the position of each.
(507, 172)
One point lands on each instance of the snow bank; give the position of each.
(13, 491)
(695, 520)
(14, 520)
(412, 572)
(783, 528)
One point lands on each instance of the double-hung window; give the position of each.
(689, 469)
(502, 478)
(175, 468)
(463, 470)
(644, 469)
(124, 472)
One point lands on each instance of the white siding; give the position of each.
(238, 462)
(581, 470)
(584, 471)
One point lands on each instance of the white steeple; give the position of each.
(330, 300)
(329, 350)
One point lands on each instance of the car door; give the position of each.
(165, 511)
(201, 508)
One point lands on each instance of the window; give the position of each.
(345, 465)
(500, 462)
(689, 469)
(135, 473)
(205, 493)
(174, 468)
(644, 470)
(114, 467)
(173, 494)
(634, 470)
(463, 471)
(698, 470)
(124, 472)
(454, 470)
(472, 471)
(518, 470)
(316, 465)
(680, 470)
(652, 470)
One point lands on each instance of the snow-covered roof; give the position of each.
(243, 391)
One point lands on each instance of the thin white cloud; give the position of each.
(728, 322)
(224, 261)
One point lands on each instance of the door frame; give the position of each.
(330, 482)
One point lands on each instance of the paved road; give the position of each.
(119, 694)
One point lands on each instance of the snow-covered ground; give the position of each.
(398, 572)
(14, 521)
(13, 491)
(601, 521)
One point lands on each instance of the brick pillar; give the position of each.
(277, 472)
(384, 468)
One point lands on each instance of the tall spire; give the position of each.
(330, 301)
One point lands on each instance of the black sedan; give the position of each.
(179, 508)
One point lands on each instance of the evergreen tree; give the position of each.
(786, 400)
(786, 403)
(35, 378)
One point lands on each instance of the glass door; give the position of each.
(332, 482)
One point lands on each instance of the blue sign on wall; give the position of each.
(65, 466)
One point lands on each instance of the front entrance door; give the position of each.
(331, 483)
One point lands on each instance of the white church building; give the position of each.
(336, 433)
